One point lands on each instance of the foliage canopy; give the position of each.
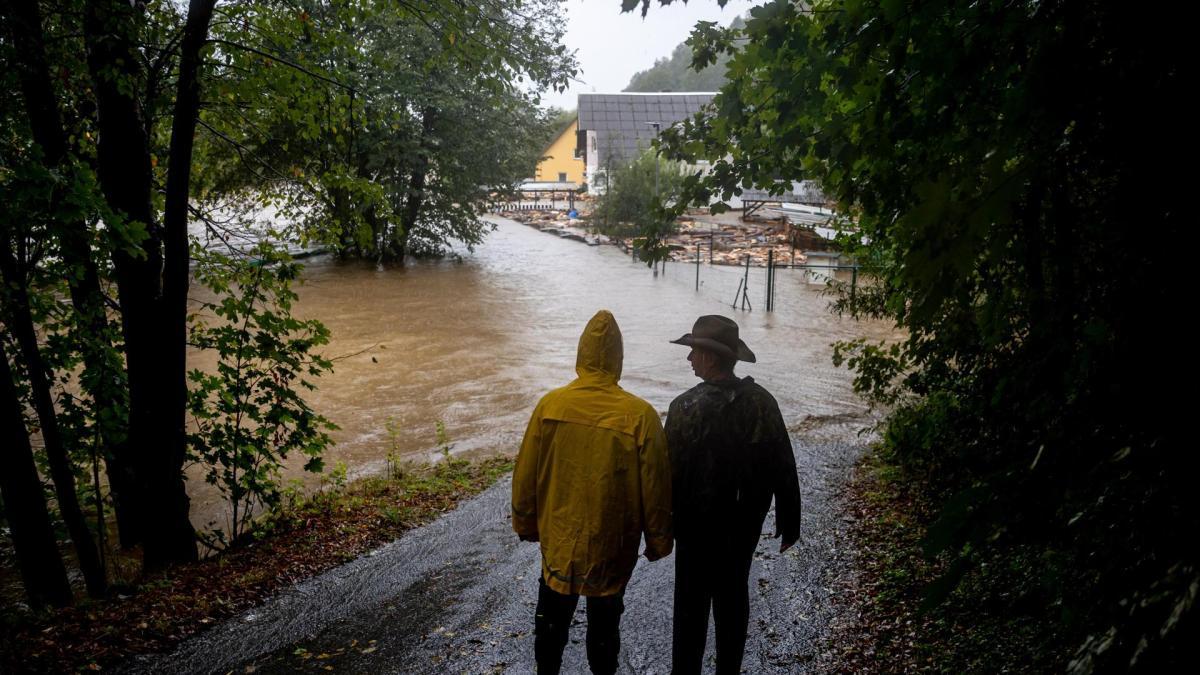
(1005, 161)
(382, 129)
(376, 127)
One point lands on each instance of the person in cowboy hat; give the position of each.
(730, 454)
(591, 479)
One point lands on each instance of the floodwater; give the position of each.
(474, 344)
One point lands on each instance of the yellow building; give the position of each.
(559, 162)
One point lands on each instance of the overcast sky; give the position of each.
(612, 46)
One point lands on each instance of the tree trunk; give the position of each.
(378, 232)
(168, 467)
(25, 508)
(416, 184)
(102, 377)
(19, 319)
(347, 233)
(161, 502)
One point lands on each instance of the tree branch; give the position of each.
(279, 59)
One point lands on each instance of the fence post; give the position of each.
(697, 267)
(770, 277)
(746, 285)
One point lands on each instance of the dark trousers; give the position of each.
(710, 575)
(552, 623)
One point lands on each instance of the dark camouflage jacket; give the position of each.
(730, 454)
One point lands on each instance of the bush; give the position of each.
(631, 207)
(249, 414)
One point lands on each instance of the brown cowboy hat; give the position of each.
(718, 334)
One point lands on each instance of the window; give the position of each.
(562, 177)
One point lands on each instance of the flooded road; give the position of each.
(475, 343)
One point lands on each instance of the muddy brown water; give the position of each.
(474, 344)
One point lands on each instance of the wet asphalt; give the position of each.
(458, 595)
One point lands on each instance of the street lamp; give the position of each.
(656, 197)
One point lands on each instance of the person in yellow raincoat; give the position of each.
(592, 477)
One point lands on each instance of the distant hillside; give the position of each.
(675, 73)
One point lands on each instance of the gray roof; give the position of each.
(621, 121)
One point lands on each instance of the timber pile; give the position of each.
(553, 222)
(732, 243)
(538, 218)
(557, 223)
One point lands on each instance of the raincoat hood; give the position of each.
(601, 350)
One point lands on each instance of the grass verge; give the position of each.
(295, 543)
(999, 619)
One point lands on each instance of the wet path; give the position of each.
(457, 596)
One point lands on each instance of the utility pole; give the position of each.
(656, 126)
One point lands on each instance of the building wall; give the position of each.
(560, 158)
(592, 168)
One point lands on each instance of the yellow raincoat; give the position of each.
(593, 475)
